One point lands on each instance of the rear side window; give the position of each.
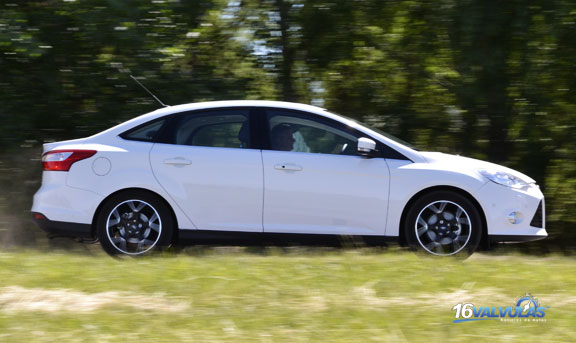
(219, 129)
(146, 132)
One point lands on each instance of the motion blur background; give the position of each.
(489, 79)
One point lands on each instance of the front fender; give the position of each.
(408, 179)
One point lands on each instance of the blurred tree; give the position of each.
(484, 78)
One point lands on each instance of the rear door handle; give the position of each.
(178, 161)
(287, 166)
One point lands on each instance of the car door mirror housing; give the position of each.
(366, 147)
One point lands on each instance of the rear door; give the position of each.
(207, 165)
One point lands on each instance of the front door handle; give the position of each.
(179, 161)
(288, 166)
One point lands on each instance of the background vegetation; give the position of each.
(484, 78)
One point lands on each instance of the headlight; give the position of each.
(503, 178)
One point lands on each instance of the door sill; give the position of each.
(213, 237)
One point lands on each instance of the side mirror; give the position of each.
(366, 147)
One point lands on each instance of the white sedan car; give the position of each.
(275, 169)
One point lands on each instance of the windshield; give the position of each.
(378, 131)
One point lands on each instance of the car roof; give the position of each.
(239, 103)
(209, 105)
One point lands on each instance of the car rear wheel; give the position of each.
(134, 223)
(443, 223)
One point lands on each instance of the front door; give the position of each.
(315, 182)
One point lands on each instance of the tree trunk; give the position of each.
(288, 92)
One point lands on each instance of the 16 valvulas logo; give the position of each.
(527, 308)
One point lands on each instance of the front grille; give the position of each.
(537, 220)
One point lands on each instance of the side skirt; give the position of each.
(210, 237)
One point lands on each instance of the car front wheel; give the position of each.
(134, 223)
(443, 223)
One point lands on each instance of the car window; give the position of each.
(301, 132)
(145, 132)
(223, 129)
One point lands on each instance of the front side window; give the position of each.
(221, 129)
(301, 132)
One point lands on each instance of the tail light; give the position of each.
(62, 160)
(38, 216)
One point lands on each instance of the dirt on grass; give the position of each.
(15, 298)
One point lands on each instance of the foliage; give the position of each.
(483, 78)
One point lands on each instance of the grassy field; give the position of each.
(277, 295)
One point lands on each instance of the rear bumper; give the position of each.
(59, 202)
(62, 229)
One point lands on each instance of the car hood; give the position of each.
(466, 164)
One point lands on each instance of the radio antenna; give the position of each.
(147, 90)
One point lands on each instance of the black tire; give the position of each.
(145, 223)
(455, 230)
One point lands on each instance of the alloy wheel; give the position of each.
(443, 228)
(134, 227)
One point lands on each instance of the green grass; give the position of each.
(278, 295)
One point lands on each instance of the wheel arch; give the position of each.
(484, 242)
(172, 213)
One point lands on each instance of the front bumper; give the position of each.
(515, 238)
(527, 206)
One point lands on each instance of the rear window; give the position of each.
(146, 132)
